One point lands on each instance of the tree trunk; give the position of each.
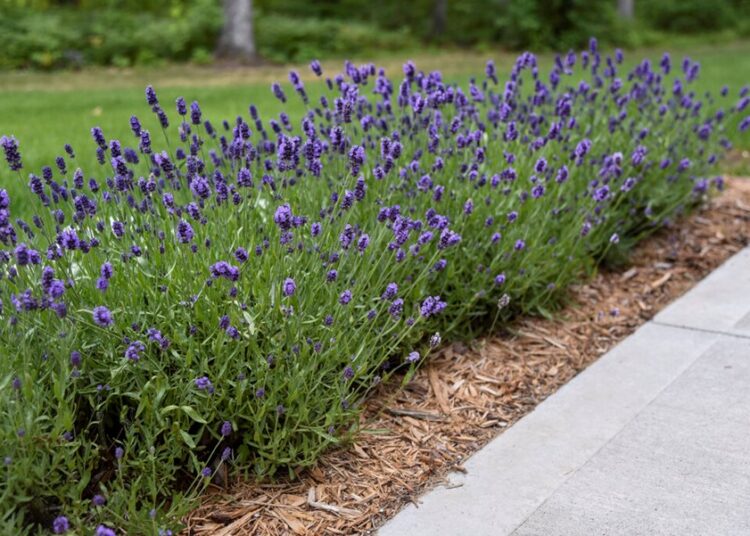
(626, 8)
(439, 16)
(237, 40)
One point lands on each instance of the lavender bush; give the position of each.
(227, 294)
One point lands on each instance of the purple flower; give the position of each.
(118, 229)
(348, 373)
(195, 113)
(12, 155)
(391, 290)
(283, 217)
(98, 135)
(289, 286)
(135, 125)
(346, 237)
(345, 297)
(184, 232)
(435, 340)
(601, 194)
(468, 207)
(278, 92)
(356, 157)
(489, 70)
(410, 69)
(363, 242)
(396, 308)
(432, 305)
(103, 530)
(106, 271)
(448, 238)
(102, 284)
(413, 357)
(316, 68)
(200, 188)
(98, 500)
(500, 279)
(241, 255)
(134, 350)
(181, 106)
(69, 239)
(519, 245)
(60, 525)
(226, 428)
(225, 270)
(102, 316)
(151, 99)
(204, 384)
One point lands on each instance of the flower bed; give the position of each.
(229, 298)
(411, 438)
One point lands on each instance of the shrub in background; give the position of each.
(293, 39)
(60, 37)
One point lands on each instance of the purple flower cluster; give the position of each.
(432, 305)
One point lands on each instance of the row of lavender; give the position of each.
(226, 298)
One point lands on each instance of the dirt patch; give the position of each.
(466, 395)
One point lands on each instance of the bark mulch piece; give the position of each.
(466, 395)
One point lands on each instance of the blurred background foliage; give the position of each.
(46, 34)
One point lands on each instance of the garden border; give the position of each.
(363, 486)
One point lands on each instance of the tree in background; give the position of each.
(439, 14)
(626, 8)
(237, 40)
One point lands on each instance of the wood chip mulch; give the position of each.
(466, 395)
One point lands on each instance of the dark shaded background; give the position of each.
(45, 34)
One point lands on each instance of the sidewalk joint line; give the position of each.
(702, 330)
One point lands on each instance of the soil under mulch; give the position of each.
(464, 396)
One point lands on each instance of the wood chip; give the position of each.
(426, 415)
(229, 530)
(292, 522)
(438, 389)
(338, 510)
(663, 279)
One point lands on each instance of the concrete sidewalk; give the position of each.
(653, 438)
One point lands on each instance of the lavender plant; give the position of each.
(228, 296)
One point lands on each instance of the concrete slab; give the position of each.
(669, 472)
(721, 302)
(717, 385)
(514, 474)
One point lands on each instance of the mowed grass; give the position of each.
(46, 110)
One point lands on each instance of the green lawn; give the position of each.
(46, 110)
